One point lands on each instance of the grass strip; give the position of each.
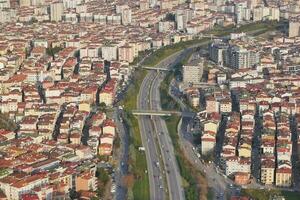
(270, 194)
(137, 159)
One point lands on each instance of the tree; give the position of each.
(102, 175)
(102, 107)
(6, 123)
(170, 17)
(52, 51)
(128, 181)
(73, 194)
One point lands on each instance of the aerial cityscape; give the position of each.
(149, 99)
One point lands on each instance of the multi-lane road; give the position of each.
(160, 157)
(165, 142)
(155, 169)
(161, 160)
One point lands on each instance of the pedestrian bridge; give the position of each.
(162, 113)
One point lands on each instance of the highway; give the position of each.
(155, 136)
(153, 140)
(165, 142)
(155, 170)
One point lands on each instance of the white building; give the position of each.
(109, 53)
(236, 164)
(56, 11)
(192, 74)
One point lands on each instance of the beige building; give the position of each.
(245, 150)
(84, 106)
(267, 171)
(225, 106)
(208, 142)
(86, 182)
(106, 97)
(212, 126)
(294, 27)
(25, 3)
(212, 105)
(126, 53)
(284, 175)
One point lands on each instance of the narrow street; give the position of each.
(122, 156)
(255, 155)
(295, 158)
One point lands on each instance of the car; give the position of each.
(161, 187)
(113, 188)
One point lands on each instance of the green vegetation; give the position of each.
(141, 55)
(4, 172)
(6, 123)
(137, 160)
(52, 51)
(195, 187)
(168, 50)
(257, 28)
(209, 157)
(210, 194)
(103, 179)
(170, 17)
(117, 142)
(130, 98)
(167, 102)
(102, 175)
(266, 195)
(102, 107)
(290, 195)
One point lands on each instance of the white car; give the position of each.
(113, 188)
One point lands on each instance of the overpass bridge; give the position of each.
(152, 68)
(205, 84)
(156, 68)
(163, 113)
